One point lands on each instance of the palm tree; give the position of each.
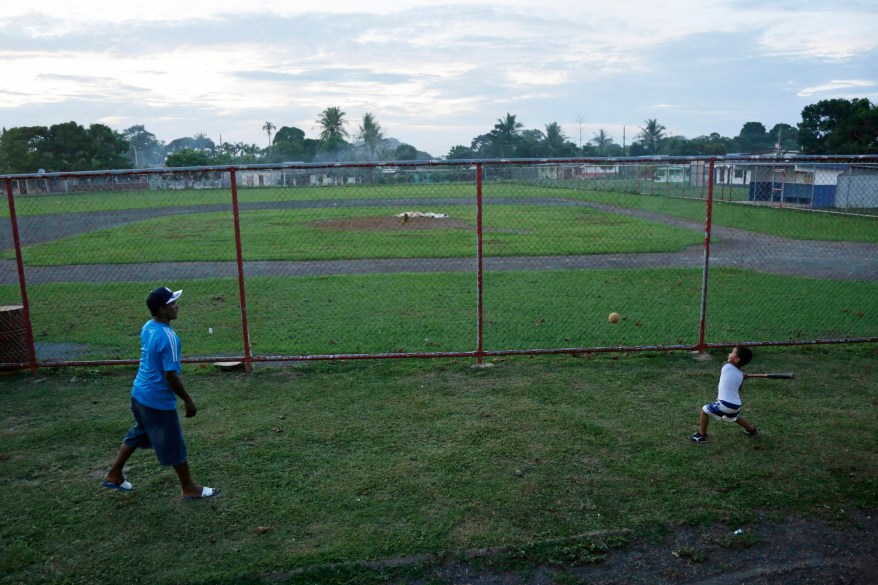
(226, 149)
(505, 136)
(370, 132)
(554, 139)
(508, 126)
(601, 141)
(202, 142)
(332, 130)
(268, 127)
(651, 135)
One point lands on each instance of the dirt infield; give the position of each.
(387, 223)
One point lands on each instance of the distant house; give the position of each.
(574, 171)
(811, 185)
(727, 173)
(858, 188)
(671, 174)
(292, 178)
(331, 180)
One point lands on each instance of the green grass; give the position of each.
(781, 222)
(326, 464)
(437, 312)
(116, 201)
(509, 230)
(341, 462)
(297, 235)
(787, 223)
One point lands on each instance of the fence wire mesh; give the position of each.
(572, 254)
(797, 257)
(93, 248)
(358, 260)
(452, 258)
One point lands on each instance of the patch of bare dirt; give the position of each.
(792, 552)
(369, 224)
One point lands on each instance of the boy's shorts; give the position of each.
(722, 409)
(159, 430)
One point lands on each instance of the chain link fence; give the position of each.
(451, 258)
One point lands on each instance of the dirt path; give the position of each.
(790, 552)
(730, 248)
(793, 552)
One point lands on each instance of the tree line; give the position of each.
(836, 126)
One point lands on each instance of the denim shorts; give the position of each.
(159, 430)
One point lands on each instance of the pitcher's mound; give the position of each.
(391, 223)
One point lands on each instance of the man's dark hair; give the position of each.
(745, 354)
(160, 297)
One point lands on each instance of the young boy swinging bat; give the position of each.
(728, 401)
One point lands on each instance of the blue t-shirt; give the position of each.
(159, 353)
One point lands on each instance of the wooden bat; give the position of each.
(786, 376)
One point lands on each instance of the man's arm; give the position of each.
(177, 386)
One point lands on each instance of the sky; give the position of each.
(434, 74)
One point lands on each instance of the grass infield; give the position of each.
(324, 465)
(271, 235)
(785, 223)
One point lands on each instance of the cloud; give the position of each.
(828, 33)
(837, 85)
(429, 68)
(532, 76)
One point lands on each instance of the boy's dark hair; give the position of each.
(745, 354)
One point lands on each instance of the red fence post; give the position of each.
(705, 271)
(245, 327)
(479, 273)
(19, 260)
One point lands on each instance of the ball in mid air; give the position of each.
(613, 318)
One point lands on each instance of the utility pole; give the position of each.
(580, 119)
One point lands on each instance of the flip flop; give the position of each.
(206, 492)
(125, 486)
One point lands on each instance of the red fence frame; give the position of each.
(479, 353)
(239, 257)
(19, 261)
(708, 224)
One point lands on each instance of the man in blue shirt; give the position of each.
(154, 400)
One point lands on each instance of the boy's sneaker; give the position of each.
(753, 433)
(698, 438)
